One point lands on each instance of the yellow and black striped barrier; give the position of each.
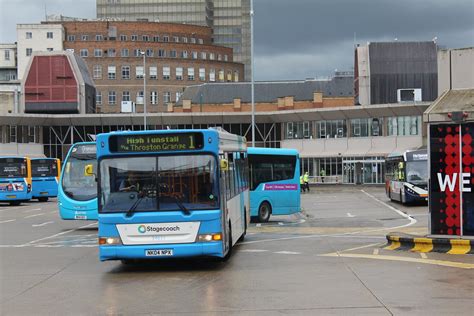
(426, 244)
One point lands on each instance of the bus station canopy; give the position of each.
(459, 100)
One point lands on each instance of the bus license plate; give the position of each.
(80, 217)
(159, 253)
(11, 196)
(43, 193)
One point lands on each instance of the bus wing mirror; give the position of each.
(224, 165)
(89, 170)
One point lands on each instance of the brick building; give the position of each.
(177, 55)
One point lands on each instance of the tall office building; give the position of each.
(229, 19)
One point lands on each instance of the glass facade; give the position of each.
(229, 19)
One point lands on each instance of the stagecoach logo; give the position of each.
(142, 229)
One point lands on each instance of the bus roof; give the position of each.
(272, 151)
(410, 155)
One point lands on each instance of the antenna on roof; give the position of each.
(45, 13)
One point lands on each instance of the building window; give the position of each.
(176, 39)
(153, 72)
(195, 55)
(98, 98)
(111, 72)
(212, 75)
(84, 52)
(366, 127)
(112, 98)
(124, 52)
(153, 97)
(167, 97)
(156, 38)
(99, 38)
(184, 54)
(29, 35)
(166, 39)
(332, 129)
(179, 73)
(219, 57)
(212, 56)
(7, 54)
(226, 58)
(203, 55)
(166, 73)
(202, 74)
(193, 40)
(161, 53)
(229, 76)
(149, 52)
(139, 97)
(97, 72)
(298, 130)
(29, 51)
(139, 72)
(97, 52)
(71, 38)
(173, 54)
(134, 37)
(145, 38)
(221, 75)
(200, 41)
(137, 52)
(111, 52)
(123, 37)
(178, 95)
(49, 35)
(13, 134)
(185, 39)
(49, 49)
(236, 76)
(126, 96)
(404, 125)
(85, 37)
(191, 74)
(125, 72)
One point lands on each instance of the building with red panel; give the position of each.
(57, 83)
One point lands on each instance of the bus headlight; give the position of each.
(209, 237)
(107, 241)
(411, 191)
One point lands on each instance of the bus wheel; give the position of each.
(15, 203)
(402, 199)
(264, 212)
(43, 199)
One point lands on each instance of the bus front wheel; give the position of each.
(15, 203)
(43, 199)
(264, 212)
(229, 244)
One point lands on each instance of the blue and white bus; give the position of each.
(274, 182)
(45, 176)
(406, 176)
(171, 193)
(77, 193)
(15, 180)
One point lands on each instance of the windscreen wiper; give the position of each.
(180, 204)
(134, 206)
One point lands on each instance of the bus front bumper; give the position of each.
(119, 252)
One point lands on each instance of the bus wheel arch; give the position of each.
(242, 237)
(264, 211)
(229, 243)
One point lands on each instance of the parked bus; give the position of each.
(15, 180)
(406, 176)
(45, 174)
(77, 193)
(274, 182)
(171, 193)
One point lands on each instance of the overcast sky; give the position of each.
(298, 39)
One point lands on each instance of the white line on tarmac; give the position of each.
(42, 224)
(13, 208)
(53, 212)
(423, 255)
(34, 215)
(32, 210)
(59, 234)
(390, 207)
(288, 253)
(376, 252)
(253, 250)
(8, 221)
(350, 215)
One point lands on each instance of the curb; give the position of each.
(454, 246)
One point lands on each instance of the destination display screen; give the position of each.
(84, 151)
(155, 142)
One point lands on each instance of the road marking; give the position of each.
(361, 247)
(376, 252)
(288, 253)
(34, 215)
(258, 225)
(350, 215)
(8, 221)
(13, 208)
(443, 263)
(53, 212)
(59, 234)
(411, 219)
(253, 250)
(42, 224)
(32, 210)
(280, 223)
(423, 255)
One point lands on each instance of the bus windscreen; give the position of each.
(44, 168)
(12, 168)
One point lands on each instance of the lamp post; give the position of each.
(252, 71)
(144, 88)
